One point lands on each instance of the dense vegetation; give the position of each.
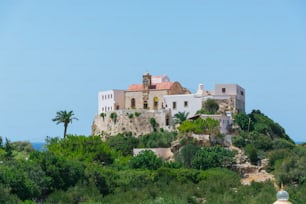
(81, 169)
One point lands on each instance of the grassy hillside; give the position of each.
(84, 169)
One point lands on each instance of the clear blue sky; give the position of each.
(57, 55)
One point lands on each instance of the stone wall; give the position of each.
(127, 121)
(138, 96)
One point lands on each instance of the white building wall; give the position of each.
(110, 100)
(233, 90)
(225, 121)
(230, 89)
(182, 103)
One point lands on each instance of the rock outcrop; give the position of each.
(249, 172)
(135, 121)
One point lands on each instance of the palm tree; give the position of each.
(180, 117)
(64, 117)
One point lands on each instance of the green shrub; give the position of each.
(282, 144)
(114, 116)
(211, 157)
(157, 139)
(252, 153)
(146, 160)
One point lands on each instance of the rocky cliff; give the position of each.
(135, 121)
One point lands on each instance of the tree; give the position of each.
(123, 143)
(82, 148)
(154, 124)
(211, 106)
(114, 116)
(8, 149)
(243, 121)
(180, 117)
(252, 153)
(146, 160)
(186, 154)
(103, 115)
(212, 126)
(212, 157)
(64, 117)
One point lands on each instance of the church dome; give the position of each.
(282, 195)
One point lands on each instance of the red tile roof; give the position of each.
(164, 85)
(135, 87)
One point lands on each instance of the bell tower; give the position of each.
(147, 82)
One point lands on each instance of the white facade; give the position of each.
(110, 100)
(230, 89)
(188, 103)
(236, 92)
(232, 94)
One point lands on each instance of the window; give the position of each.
(173, 105)
(102, 109)
(185, 104)
(133, 103)
(145, 105)
(241, 92)
(223, 90)
(167, 120)
(102, 97)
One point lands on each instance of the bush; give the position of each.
(146, 160)
(282, 144)
(200, 126)
(154, 124)
(243, 121)
(277, 155)
(212, 157)
(114, 116)
(252, 153)
(186, 154)
(292, 170)
(157, 139)
(123, 143)
(131, 115)
(239, 141)
(211, 106)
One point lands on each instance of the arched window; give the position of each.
(155, 102)
(133, 103)
(145, 105)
